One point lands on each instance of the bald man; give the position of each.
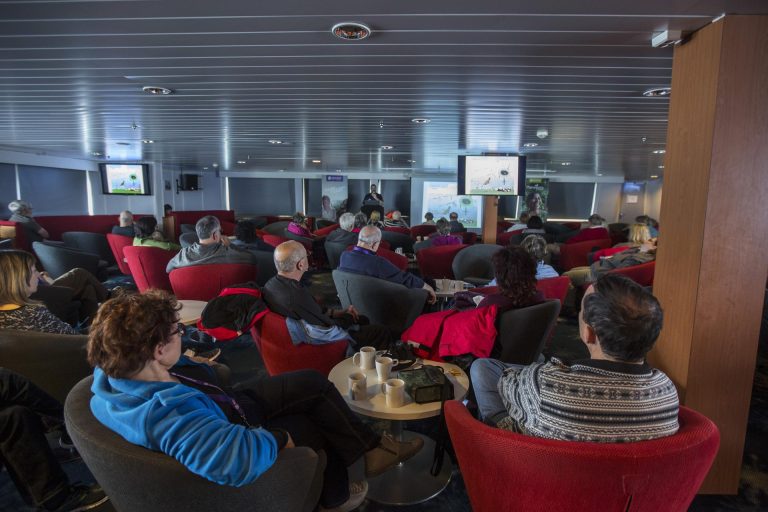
(126, 225)
(286, 296)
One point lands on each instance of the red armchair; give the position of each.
(604, 253)
(505, 471)
(274, 240)
(327, 230)
(422, 230)
(396, 229)
(504, 238)
(554, 288)
(641, 274)
(204, 282)
(437, 262)
(468, 237)
(117, 243)
(280, 355)
(147, 266)
(575, 255)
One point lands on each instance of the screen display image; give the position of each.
(440, 199)
(125, 179)
(491, 175)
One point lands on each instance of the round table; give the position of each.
(410, 482)
(190, 311)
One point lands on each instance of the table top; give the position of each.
(190, 311)
(376, 404)
(448, 287)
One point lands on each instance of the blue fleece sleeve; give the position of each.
(390, 272)
(209, 445)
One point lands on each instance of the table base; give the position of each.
(411, 482)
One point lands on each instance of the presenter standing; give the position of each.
(374, 196)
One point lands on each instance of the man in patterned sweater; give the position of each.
(614, 396)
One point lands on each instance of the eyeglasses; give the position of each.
(180, 329)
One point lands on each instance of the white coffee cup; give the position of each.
(419, 238)
(394, 391)
(399, 251)
(365, 358)
(358, 386)
(384, 367)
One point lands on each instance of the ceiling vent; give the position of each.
(658, 92)
(351, 31)
(159, 91)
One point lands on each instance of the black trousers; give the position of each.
(311, 409)
(367, 334)
(23, 447)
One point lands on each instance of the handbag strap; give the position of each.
(442, 430)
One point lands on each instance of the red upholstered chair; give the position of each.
(641, 274)
(604, 253)
(573, 226)
(554, 287)
(274, 240)
(395, 229)
(326, 230)
(117, 243)
(575, 255)
(436, 262)
(422, 230)
(147, 266)
(468, 237)
(504, 238)
(504, 471)
(204, 282)
(503, 225)
(280, 355)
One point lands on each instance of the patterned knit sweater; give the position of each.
(590, 400)
(34, 317)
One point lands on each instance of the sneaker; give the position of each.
(83, 497)
(357, 493)
(210, 355)
(390, 453)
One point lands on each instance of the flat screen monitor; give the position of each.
(125, 179)
(491, 175)
(440, 199)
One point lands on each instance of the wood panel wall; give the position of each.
(713, 249)
(490, 218)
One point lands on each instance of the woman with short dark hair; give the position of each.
(515, 275)
(148, 235)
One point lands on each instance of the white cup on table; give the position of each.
(358, 386)
(365, 358)
(384, 366)
(394, 391)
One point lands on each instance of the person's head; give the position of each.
(167, 209)
(20, 207)
(642, 219)
(145, 226)
(18, 277)
(621, 317)
(347, 221)
(373, 188)
(595, 220)
(453, 216)
(326, 202)
(443, 226)
(639, 234)
(375, 217)
(369, 238)
(126, 218)
(299, 218)
(131, 331)
(524, 217)
(536, 247)
(535, 222)
(360, 219)
(245, 231)
(208, 230)
(515, 273)
(291, 259)
(396, 215)
(533, 201)
(428, 216)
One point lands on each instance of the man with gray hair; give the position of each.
(343, 234)
(22, 213)
(213, 247)
(126, 225)
(286, 296)
(363, 259)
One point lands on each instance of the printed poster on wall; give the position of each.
(335, 194)
(536, 197)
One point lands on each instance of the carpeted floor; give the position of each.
(245, 362)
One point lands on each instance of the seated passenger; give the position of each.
(126, 225)
(362, 259)
(246, 239)
(375, 219)
(443, 235)
(298, 226)
(594, 231)
(456, 226)
(22, 213)
(395, 222)
(429, 219)
(514, 273)
(535, 226)
(361, 220)
(148, 235)
(619, 323)
(644, 253)
(536, 246)
(343, 234)
(638, 235)
(25, 452)
(286, 296)
(212, 248)
(521, 224)
(151, 396)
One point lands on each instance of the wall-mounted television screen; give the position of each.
(491, 175)
(125, 179)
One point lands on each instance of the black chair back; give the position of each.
(396, 240)
(94, 243)
(276, 228)
(524, 332)
(57, 260)
(473, 264)
(333, 252)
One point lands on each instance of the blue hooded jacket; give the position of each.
(184, 423)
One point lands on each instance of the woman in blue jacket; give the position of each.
(146, 392)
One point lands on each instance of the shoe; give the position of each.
(390, 453)
(83, 497)
(210, 355)
(357, 493)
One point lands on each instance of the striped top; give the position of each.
(589, 400)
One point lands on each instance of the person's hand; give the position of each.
(225, 240)
(353, 311)
(289, 443)
(432, 297)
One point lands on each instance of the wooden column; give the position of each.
(490, 218)
(711, 264)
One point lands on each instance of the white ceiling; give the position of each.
(488, 74)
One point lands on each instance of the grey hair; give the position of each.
(396, 215)
(288, 264)
(19, 206)
(536, 246)
(443, 227)
(347, 221)
(369, 235)
(207, 226)
(126, 215)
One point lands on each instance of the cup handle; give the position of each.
(395, 362)
(384, 388)
(356, 359)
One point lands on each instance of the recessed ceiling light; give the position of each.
(351, 31)
(214, 165)
(241, 162)
(653, 176)
(282, 170)
(565, 163)
(96, 153)
(148, 141)
(530, 144)
(658, 92)
(385, 146)
(160, 91)
(661, 167)
(205, 168)
(659, 151)
(421, 120)
(599, 174)
(317, 161)
(411, 161)
(275, 141)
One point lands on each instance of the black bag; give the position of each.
(427, 384)
(404, 354)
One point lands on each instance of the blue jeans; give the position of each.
(485, 375)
